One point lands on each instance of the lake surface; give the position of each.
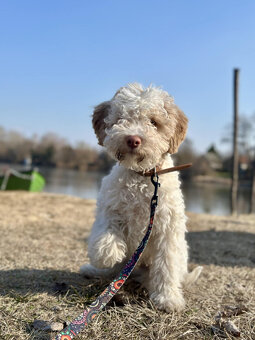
(200, 198)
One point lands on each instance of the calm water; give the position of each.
(213, 199)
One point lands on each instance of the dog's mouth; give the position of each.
(121, 155)
(140, 157)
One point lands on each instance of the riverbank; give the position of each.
(205, 179)
(43, 243)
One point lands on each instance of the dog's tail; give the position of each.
(192, 277)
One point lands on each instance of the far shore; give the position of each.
(206, 179)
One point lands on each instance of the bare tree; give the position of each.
(50, 150)
(246, 135)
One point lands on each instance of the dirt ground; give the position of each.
(43, 243)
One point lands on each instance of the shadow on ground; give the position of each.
(19, 284)
(27, 281)
(222, 248)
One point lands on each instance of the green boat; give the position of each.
(29, 180)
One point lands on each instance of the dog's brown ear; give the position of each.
(180, 127)
(99, 114)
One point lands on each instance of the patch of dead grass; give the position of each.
(43, 245)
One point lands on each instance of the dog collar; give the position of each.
(157, 170)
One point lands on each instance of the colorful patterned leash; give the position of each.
(77, 325)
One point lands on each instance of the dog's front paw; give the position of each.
(88, 271)
(107, 251)
(173, 301)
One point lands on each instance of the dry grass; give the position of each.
(43, 243)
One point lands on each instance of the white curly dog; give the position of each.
(141, 128)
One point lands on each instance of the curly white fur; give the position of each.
(124, 198)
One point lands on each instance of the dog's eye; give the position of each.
(153, 122)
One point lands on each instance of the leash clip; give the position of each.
(154, 200)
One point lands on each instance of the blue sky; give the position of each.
(60, 58)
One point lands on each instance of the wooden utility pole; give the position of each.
(234, 186)
(252, 208)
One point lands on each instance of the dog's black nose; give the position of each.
(133, 141)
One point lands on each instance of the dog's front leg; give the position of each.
(165, 272)
(107, 246)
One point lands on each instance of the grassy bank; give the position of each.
(43, 243)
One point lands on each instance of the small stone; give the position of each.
(46, 326)
(57, 326)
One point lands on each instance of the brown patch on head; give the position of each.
(99, 114)
(180, 127)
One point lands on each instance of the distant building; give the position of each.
(245, 166)
(210, 162)
(214, 159)
(244, 162)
